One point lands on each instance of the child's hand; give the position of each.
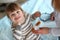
(36, 14)
(41, 31)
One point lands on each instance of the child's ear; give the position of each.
(37, 14)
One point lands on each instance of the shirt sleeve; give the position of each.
(32, 17)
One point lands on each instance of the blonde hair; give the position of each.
(56, 4)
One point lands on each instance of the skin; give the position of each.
(43, 30)
(17, 16)
(37, 14)
(56, 5)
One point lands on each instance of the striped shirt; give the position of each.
(23, 32)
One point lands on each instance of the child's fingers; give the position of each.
(37, 14)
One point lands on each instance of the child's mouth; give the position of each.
(17, 18)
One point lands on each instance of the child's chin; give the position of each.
(17, 20)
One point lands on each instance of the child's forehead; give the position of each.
(14, 11)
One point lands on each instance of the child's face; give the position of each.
(16, 16)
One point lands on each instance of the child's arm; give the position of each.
(35, 15)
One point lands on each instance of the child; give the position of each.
(21, 22)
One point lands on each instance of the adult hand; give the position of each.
(41, 31)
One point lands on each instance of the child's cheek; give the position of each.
(13, 20)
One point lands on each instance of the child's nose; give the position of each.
(16, 15)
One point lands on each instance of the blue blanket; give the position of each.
(5, 29)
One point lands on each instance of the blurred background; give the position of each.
(30, 6)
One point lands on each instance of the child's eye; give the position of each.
(17, 11)
(13, 15)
